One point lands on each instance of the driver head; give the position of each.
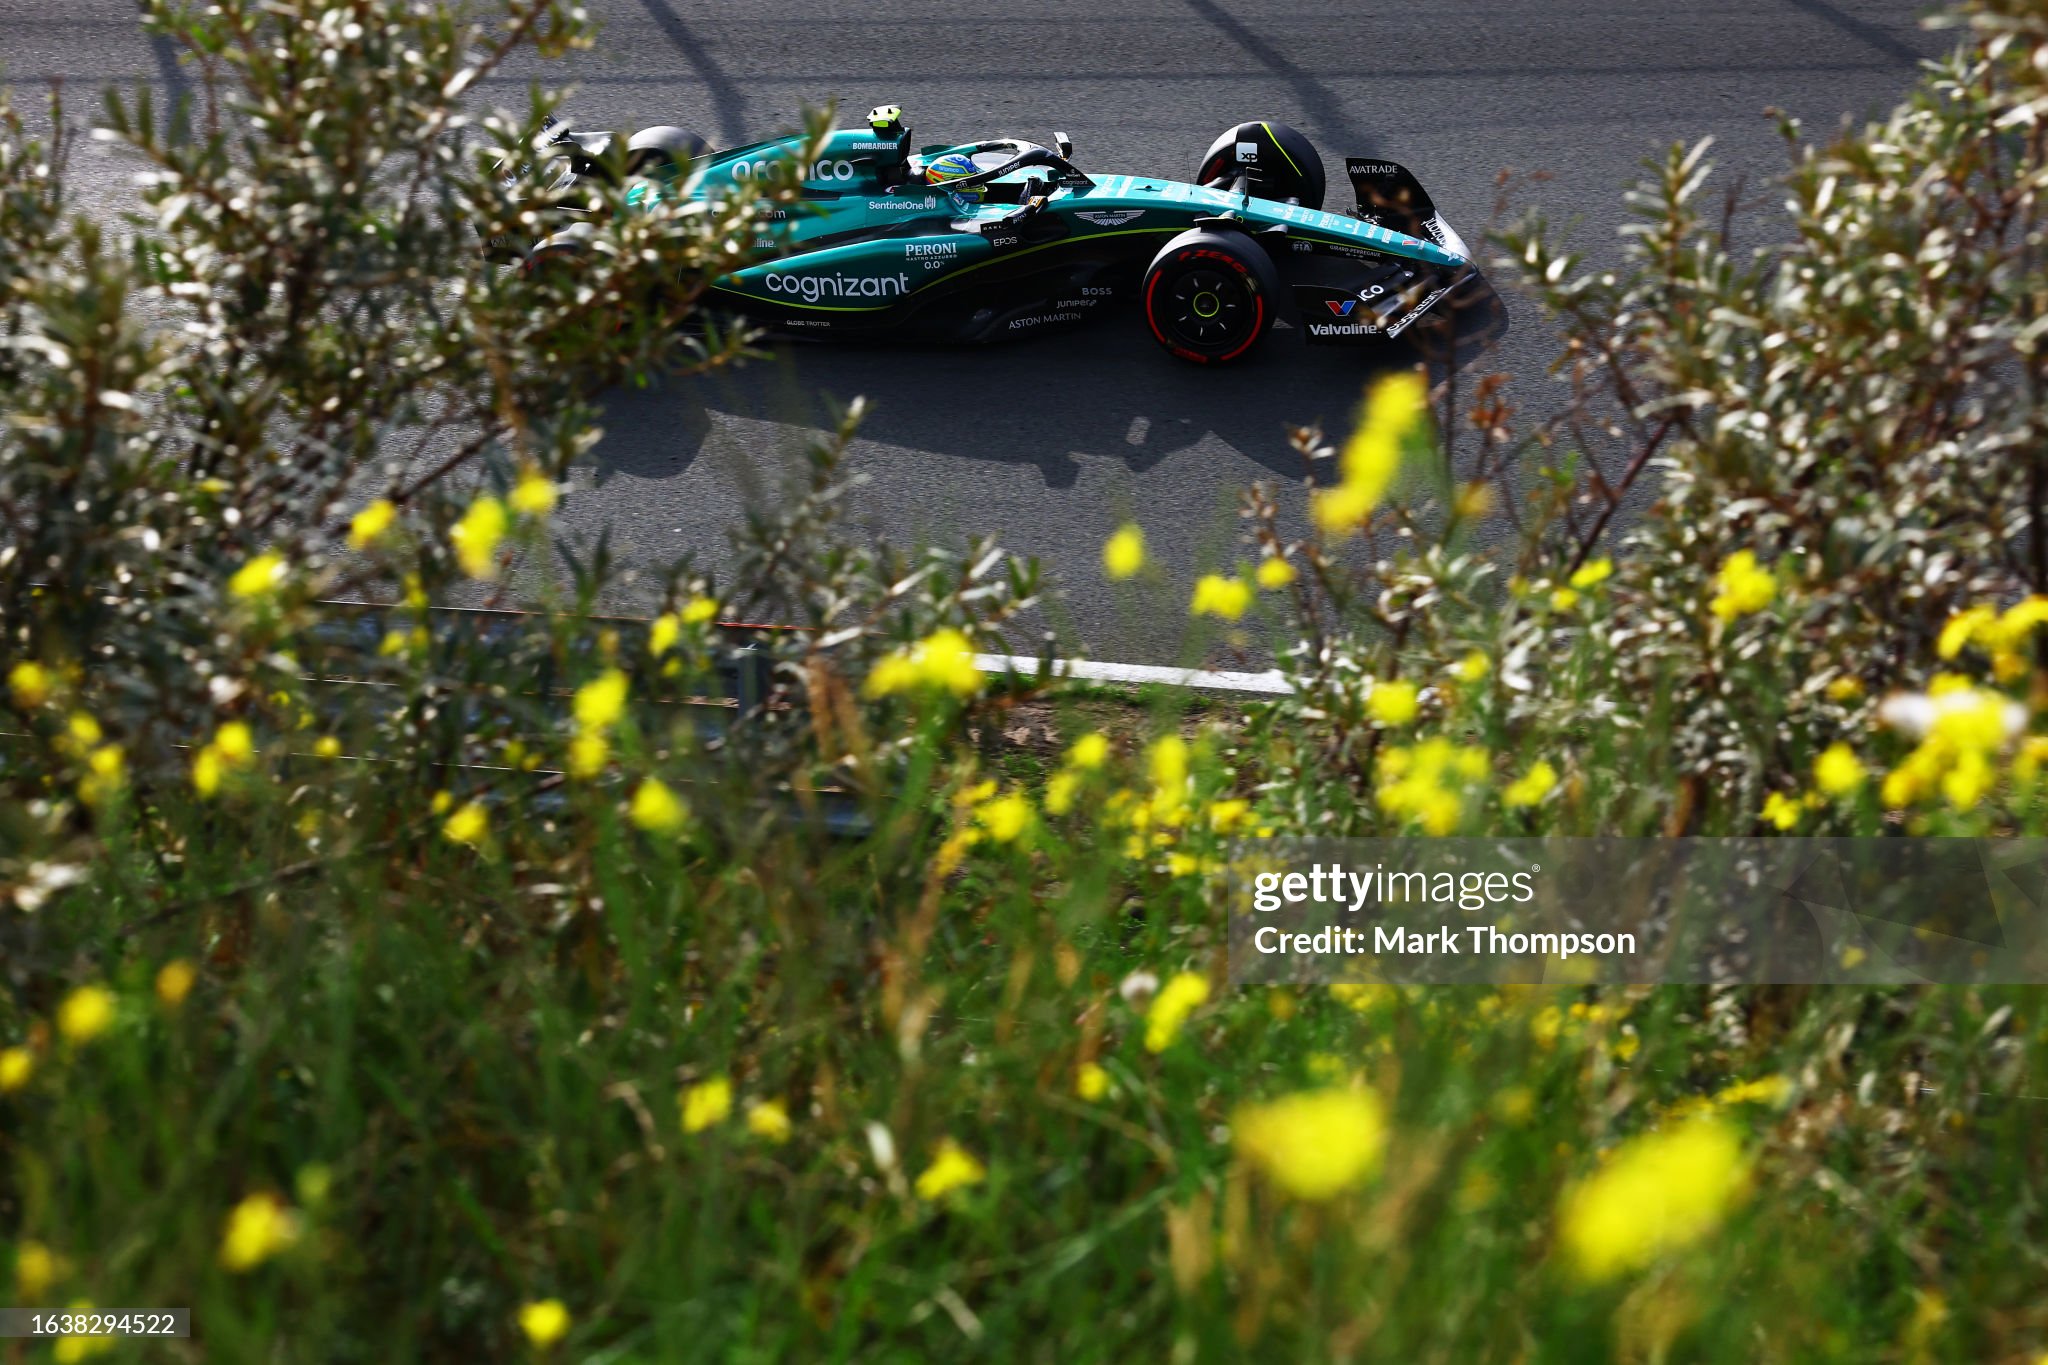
(951, 166)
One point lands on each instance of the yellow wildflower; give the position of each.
(1975, 718)
(235, 744)
(258, 1228)
(952, 1169)
(2033, 751)
(107, 771)
(1226, 816)
(81, 732)
(1837, 771)
(368, 526)
(1659, 1193)
(85, 1014)
(1060, 791)
(894, 673)
(1845, 689)
(1968, 781)
(544, 1323)
(1275, 573)
(1424, 783)
(1592, 574)
(600, 702)
(587, 756)
(1906, 784)
(1215, 595)
(706, 1103)
(979, 792)
(769, 1121)
(29, 684)
(476, 537)
(948, 663)
(327, 746)
(658, 810)
(698, 611)
(1765, 1090)
(470, 824)
(1362, 996)
(534, 495)
(2008, 637)
(1781, 811)
(942, 662)
(1742, 587)
(1371, 459)
(1091, 1082)
(260, 577)
(1123, 554)
(1530, 788)
(1316, 1144)
(1963, 627)
(1089, 751)
(1176, 1000)
(1471, 668)
(17, 1064)
(662, 635)
(2020, 620)
(951, 853)
(174, 982)
(206, 771)
(1168, 761)
(1006, 818)
(73, 1348)
(1393, 702)
(36, 1268)
(1563, 599)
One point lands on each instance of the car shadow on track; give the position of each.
(1100, 391)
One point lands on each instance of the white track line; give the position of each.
(1271, 682)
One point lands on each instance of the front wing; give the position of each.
(1347, 296)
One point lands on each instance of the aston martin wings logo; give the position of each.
(1112, 217)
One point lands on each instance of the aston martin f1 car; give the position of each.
(983, 241)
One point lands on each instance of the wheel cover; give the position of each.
(1204, 308)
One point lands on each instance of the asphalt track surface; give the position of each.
(1052, 442)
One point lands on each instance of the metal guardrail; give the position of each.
(744, 672)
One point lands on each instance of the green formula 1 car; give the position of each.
(983, 241)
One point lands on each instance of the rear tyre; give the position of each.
(663, 150)
(1210, 295)
(1283, 164)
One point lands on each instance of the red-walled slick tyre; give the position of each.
(1210, 296)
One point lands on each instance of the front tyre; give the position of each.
(1210, 295)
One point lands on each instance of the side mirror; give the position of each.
(1063, 144)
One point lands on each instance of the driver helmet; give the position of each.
(951, 166)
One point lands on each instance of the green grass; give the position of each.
(466, 1087)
